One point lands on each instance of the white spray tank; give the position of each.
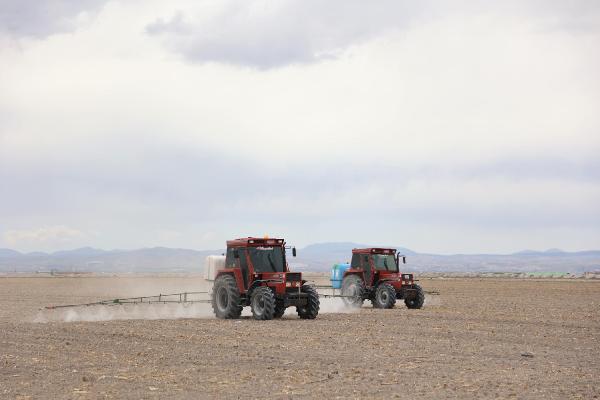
(212, 265)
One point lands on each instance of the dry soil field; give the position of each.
(480, 338)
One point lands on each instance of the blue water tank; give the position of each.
(337, 274)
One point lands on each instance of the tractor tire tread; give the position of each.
(357, 301)
(311, 309)
(391, 302)
(417, 302)
(234, 309)
(269, 303)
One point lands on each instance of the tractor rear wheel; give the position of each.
(311, 309)
(385, 296)
(226, 298)
(416, 301)
(279, 309)
(262, 303)
(353, 287)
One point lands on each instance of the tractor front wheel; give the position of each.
(226, 298)
(262, 303)
(311, 309)
(353, 289)
(385, 296)
(416, 301)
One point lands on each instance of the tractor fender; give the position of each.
(395, 283)
(356, 272)
(391, 281)
(259, 282)
(224, 272)
(236, 276)
(353, 272)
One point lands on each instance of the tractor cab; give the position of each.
(376, 264)
(256, 273)
(374, 275)
(256, 260)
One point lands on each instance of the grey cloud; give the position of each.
(38, 19)
(245, 33)
(174, 25)
(574, 16)
(175, 186)
(256, 35)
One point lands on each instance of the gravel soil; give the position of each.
(479, 338)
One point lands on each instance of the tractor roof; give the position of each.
(255, 241)
(374, 250)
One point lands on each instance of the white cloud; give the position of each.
(43, 238)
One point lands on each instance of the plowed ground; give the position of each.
(480, 338)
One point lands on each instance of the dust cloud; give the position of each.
(163, 311)
(124, 312)
(433, 300)
(334, 306)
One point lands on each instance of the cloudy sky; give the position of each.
(465, 126)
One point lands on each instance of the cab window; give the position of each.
(355, 263)
(385, 262)
(229, 258)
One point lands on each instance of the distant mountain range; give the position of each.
(315, 257)
(320, 257)
(156, 259)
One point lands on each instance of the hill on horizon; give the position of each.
(314, 257)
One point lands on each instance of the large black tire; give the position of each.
(311, 309)
(353, 286)
(279, 309)
(385, 296)
(418, 300)
(262, 303)
(226, 298)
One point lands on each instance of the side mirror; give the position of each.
(403, 259)
(294, 251)
(236, 253)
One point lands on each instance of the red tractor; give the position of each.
(256, 274)
(373, 274)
